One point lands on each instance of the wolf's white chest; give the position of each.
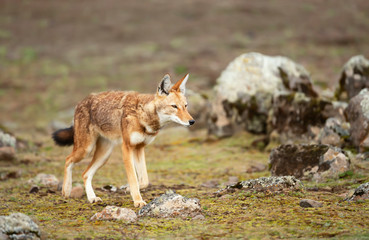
(139, 138)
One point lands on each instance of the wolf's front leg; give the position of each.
(140, 165)
(128, 159)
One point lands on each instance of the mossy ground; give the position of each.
(182, 161)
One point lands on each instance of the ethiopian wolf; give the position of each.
(105, 119)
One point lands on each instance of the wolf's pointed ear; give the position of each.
(164, 85)
(181, 85)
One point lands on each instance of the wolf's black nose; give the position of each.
(191, 122)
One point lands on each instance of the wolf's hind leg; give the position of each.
(103, 150)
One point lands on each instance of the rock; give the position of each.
(362, 156)
(170, 205)
(10, 174)
(45, 180)
(361, 193)
(293, 114)
(354, 78)
(308, 161)
(334, 132)
(265, 184)
(357, 113)
(19, 226)
(34, 189)
(198, 217)
(256, 167)
(7, 153)
(115, 213)
(245, 89)
(308, 203)
(7, 140)
(210, 184)
(77, 192)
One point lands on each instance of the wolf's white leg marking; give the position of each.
(102, 153)
(67, 184)
(140, 166)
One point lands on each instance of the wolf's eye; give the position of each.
(174, 106)
(186, 106)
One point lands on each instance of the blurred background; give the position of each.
(54, 53)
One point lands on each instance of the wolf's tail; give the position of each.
(64, 137)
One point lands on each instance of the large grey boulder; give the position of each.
(18, 226)
(170, 205)
(245, 89)
(308, 161)
(265, 184)
(357, 114)
(354, 78)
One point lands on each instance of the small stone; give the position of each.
(77, 192)
(308, 203)
(210, 184)
(198, 217)
(171, 205)
(7, 153)
(34, 189)
(45, 180)
(115, 213)
(11, 174)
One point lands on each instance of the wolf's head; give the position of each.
(171, 103)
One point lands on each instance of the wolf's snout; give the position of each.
(191, 122)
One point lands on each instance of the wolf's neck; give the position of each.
(149, 118)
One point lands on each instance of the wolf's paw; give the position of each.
(66, 194)
(95, 200)
(139, 204)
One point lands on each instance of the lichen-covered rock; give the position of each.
(354, 77)
(170, 205)
(45, 180)
(361, 193)
(266, 184)
(292, 114)
(308, 161)
(357, 113)
(7, 140)
(334, 132)
(115, 213)
(245, 89)
(19, 226)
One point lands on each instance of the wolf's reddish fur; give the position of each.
(131, 119)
